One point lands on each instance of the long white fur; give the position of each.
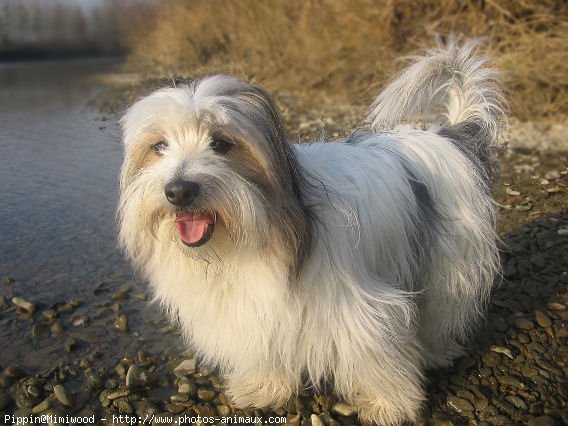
(370, 308)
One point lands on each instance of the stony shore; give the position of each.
(514, 372)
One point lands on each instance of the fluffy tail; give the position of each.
(450, 85)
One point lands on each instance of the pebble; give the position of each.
(121, 323)
(205, 394)
(459, 404)
(61, 395)
(40, 330)
(204, 409)
(175, 408)
(223, 410)
(552, 175)
(121, 295)
(24, 304)
(141, 296)
(316, 421)
(118, 394)
(187, 366)
(94, 381)
(542, 319)
(50, 315)
(344, 409)
(79, 320)
(144, 408)
(66, 308)
(186, 386)
(501, 350)
(508, 380)
(524, 324)
(500, 421)
(41, 407)
(179, 398)
(492, 359)
(136, 377)
(517, 402)
(57, 328)
(549, 367)
(557, 306)
(528, 371)
(123, 405)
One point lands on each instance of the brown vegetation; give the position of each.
(346, 48)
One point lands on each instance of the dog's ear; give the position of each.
(267, 118)
(294, 218)
(258, 99)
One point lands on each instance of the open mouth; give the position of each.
(195, 228)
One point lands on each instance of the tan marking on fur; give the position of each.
(248, 164)
(141, 155)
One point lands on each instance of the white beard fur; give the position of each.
(402, 255)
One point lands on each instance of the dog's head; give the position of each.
(208, 168)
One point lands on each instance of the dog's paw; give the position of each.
(260, 393)
(386, 413)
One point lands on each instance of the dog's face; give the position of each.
(208, 168)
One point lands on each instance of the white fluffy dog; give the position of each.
(355, 264)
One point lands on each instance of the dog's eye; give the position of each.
(220, 146)
(160, 147)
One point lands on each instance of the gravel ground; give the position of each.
(514, 371)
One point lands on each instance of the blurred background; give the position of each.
(348, 47)
(55, 28)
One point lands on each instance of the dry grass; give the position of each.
(344, 48)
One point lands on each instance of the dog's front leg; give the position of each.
(384, 381)
(260, 389)
(389, 394)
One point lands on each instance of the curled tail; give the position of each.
(450, 86)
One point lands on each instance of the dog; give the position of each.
(355, 264)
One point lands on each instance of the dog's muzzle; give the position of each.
(195, 227)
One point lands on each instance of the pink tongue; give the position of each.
(192, 226)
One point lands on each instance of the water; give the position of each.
(58, 177)
(59, 162)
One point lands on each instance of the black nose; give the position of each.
(181, 193)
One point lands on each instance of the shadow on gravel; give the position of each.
(516, 366)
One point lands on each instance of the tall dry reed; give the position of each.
(344, 48)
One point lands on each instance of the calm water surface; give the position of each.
(59, 161)
(58, 168)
